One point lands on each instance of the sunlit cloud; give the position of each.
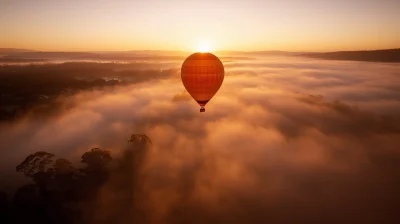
(280, 135)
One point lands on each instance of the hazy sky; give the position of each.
(295, 25)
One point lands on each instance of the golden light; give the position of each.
(203, 47)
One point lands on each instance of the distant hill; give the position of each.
(14, 50)
(258, 53)
(25, 55)
(387, 55)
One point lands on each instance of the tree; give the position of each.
(35, 163)
(96, 159)
(61, 193)
(37, 167)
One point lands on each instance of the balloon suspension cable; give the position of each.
(202, 109)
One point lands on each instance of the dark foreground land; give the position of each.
(24, 87)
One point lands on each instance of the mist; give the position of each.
(285, 140)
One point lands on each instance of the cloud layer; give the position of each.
(285, 140)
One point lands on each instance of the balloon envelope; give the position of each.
(202, 75)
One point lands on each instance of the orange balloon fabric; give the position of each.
(202, 75)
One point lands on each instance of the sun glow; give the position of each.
(203, 47)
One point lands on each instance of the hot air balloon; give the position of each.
(202, 75)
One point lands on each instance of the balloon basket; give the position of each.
(202, 109)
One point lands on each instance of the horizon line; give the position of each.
(186, 51)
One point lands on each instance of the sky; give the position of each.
(285, 140)
(290, 25)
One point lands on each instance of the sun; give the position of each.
(203, 47)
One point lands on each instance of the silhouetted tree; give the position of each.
(60, 193)
(96, 159)
(96, 172)
(36, 166)
(54, 183)
(140, 138)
